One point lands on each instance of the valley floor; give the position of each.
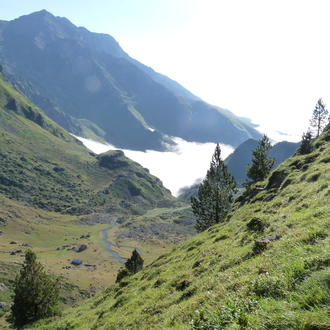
(57, 238)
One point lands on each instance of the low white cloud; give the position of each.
(178, 168)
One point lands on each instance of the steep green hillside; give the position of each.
(44, 166)
(56, 197)
(88, 84)
(265, 268)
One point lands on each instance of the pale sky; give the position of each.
(262, 59)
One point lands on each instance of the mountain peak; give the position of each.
(40, 14)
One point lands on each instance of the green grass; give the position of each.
(49, 182)
(52, 236)
(219, 279)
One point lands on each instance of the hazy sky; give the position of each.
(262, 59)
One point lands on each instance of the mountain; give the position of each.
(267, 267)
(90, 86)
(238, 161)
(42, 165)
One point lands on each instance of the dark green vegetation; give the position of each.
(215, 194)
(306, 144)
(36, 294)
(132, 265)
(268, 267)
(89, 85)
(261, 163)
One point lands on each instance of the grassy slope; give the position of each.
(43, 165)
(219, 279)
(48, 182)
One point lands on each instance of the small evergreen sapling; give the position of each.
(36, 294)
(215, 194)
(306, 144)
(134, 263)
(132, 266)
(261, 163)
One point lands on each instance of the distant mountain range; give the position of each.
(239, 160)
(89, 85)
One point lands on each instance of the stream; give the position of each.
(108, 245)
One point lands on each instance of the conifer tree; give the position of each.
(320, 117)
(215, 194)
(261, 163)
(132, 266)
(306, 144)
(35, 293)
(134, 263)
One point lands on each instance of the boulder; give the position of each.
(82, 248)
(76, 262)
(261, 244)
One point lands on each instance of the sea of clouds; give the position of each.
(181, 167)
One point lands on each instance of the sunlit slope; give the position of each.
(224, 278)
(42, 165)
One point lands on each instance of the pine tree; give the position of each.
(215, 194)
(261, 163)
(35, 293)
(306, 144)
(320, 117)
(132, 266)
(134, 263)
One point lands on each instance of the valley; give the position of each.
(225, 277)
(59, 199)
(128, 202)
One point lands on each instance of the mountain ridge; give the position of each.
(88, 76)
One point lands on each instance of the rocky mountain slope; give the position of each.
(90, 86)
(267, 267)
